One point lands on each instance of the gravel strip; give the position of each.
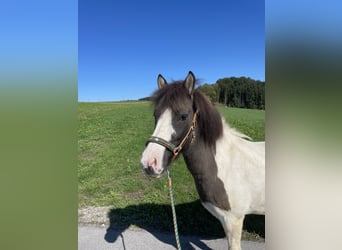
(93, 215)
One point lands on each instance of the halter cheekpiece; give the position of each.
(171, 147)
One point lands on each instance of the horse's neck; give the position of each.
(200, 158)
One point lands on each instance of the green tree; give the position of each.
(210, 90)
(242, 92)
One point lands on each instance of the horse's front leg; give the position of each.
(233, 229)
(231, 223)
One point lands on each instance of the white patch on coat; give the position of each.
(164, 130)
(241, 167)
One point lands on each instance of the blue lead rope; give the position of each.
(175, 226)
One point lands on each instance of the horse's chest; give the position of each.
(211, 189)
(209, 186)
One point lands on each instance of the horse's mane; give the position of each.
(209, 120)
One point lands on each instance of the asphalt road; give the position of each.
(91, 237)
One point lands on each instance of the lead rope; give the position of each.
(175, 226)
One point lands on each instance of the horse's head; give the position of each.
(174, 124)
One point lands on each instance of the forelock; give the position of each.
(174, 96)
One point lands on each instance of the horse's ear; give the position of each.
(190, 82)
(161, 81)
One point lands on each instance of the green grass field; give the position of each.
(111, 140)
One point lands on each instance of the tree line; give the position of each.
(240, 92)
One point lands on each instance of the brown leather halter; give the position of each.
(173, 148)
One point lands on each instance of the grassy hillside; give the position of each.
(111, 140)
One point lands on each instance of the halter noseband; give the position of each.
(173, 148)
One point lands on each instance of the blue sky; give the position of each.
(124, 45)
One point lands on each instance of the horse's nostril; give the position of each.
(148, 170)
(152, 163)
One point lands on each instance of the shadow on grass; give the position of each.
(192, 220)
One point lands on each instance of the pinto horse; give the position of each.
(227, 167)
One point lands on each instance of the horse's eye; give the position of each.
(183, 117)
